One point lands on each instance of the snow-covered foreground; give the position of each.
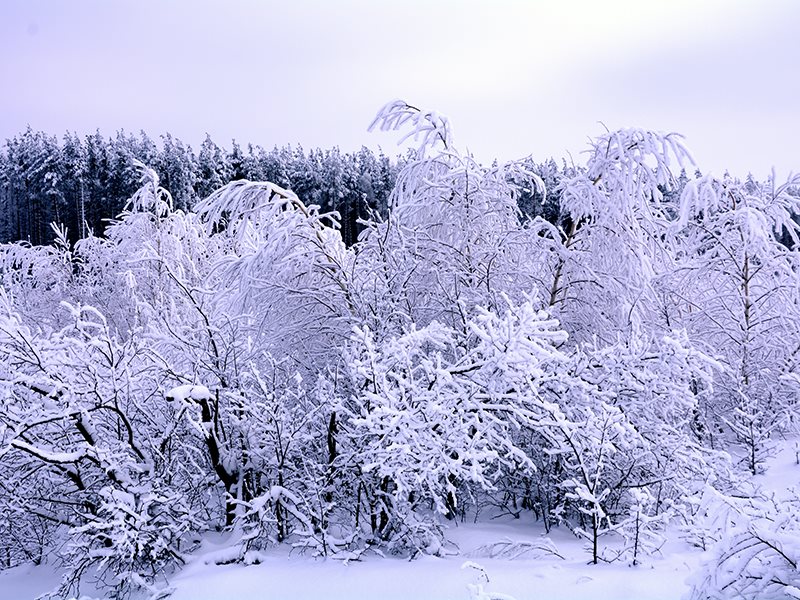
(535, 574)
(302, 578)
(445, 578)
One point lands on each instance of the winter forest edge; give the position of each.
(610, 348)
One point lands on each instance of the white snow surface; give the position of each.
(302, 578)
(27, 582)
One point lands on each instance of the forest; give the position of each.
(83, 183)
(343, 353)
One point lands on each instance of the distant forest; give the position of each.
(82, 183)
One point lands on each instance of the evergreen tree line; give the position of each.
(81, 183)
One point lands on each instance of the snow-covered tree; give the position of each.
(756, 553)
(611, 245)
(735, 290)
(436, 409)
(80, 450)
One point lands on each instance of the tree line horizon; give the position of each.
(83, 182)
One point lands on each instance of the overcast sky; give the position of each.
(516, 78)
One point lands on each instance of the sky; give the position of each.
(515, 77)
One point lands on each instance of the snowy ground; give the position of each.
(444, 578)
(546, 577)
(303, 578)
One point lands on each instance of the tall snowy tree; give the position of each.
(735, 290)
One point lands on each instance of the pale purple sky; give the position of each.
(515, 77)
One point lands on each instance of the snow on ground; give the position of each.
(302, 578)
(783, 472)
(541, 577)
(27, 582)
